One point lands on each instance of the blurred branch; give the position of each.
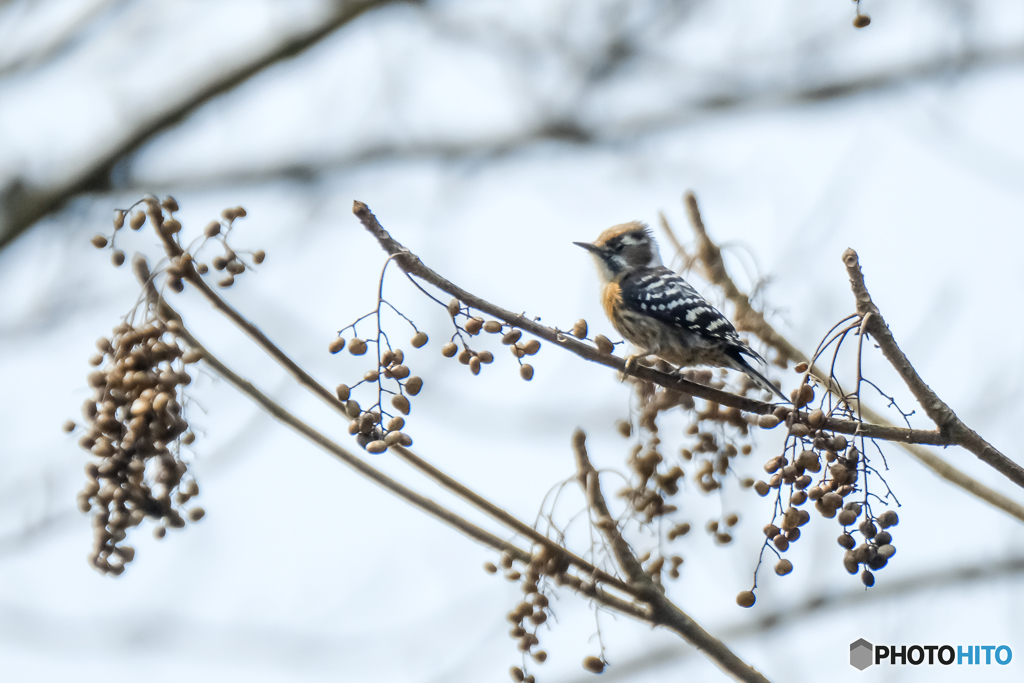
(577, 129)
(22, 205)
(63, 39)
(748, 319)
(817, 604)
(664, 611)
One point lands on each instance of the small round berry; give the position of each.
(800, 367)
(196, 514)
(259, 256)
(400, 403)
(419, 339)
(579, 329)
(860, 21)
(454, 307)
(99, 241)
(492, 326)
(136, 221)
(593, 664)
(888, 518)
(357, 347)
(336, 345)
(473, 325)
(449, 349)
(117, 258)
(413, 385)
(783, 567)
(526, 371)
(603, 344)
(376, 447)
(867, 578)
(343, 392)
(746, 599)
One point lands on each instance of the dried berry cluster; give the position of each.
(471, 326)
(169, 228)
(825, 469)
(375, 428)
(534, 609)
(135, 429)
(716, 438)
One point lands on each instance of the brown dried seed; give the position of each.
(799, 430)
(400, 403)
(171, 226)
(169, 203)
(490, 568)
(227, 281)
(400, 372)
(745, 599)
(579, 329)
(781, 542)
(474, 365)
(376, 447)
(783, 567)
(137, 219)
(882, 537)
(343, 392)
(485, 357)
(419, 340)
(767, 421)
(219, 263)
(531, 347)
(357, 347)
(492, 326)
(603, 344)
(732, 519)
(413, 385)
(235, 267)
(860, 21)
(846, 517)
(839, 442)
(593, 664)
(511, 337)
(371, 376)
(449, 349)
(396, 423)
(473, 325)
(770, 530)
(816, 418)
(117, 258)
(517, 674)
(540, 656)
(196, 514)
(762, 488)
(259, 256)
(454, 307)
(625, 429)
(68, 426)
(800, 367)
(336, 345)
(888, 518)
(464, 356)
(353, 409)
(887, 550)
(526, 371)
(99, 241)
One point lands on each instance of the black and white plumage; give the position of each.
(659, 312)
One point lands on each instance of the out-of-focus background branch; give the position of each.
(490, 135)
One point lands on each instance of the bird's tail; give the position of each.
(738, 354)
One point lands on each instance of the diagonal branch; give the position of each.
(412, 265)
(664, 611)
(21, 206)
(936, 409)
(754, 321)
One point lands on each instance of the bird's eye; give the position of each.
(619, 246)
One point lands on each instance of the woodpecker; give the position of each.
(659, 312)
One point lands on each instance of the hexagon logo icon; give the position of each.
(861, 654)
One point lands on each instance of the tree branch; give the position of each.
(664, 611)
(940, 413)
(412, 265)
(21, 206)
(710, 256)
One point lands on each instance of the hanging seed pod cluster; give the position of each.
(827, 470)
(468, 326)
(135, 427)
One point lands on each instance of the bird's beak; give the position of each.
(588, 246)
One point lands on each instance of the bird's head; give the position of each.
(622, 248)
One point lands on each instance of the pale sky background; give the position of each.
(487, 137)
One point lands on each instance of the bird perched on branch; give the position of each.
(659, 312)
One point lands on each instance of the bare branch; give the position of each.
(940, 413)
(755, 322)
(664, 611)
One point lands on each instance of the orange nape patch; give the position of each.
(611, 299)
